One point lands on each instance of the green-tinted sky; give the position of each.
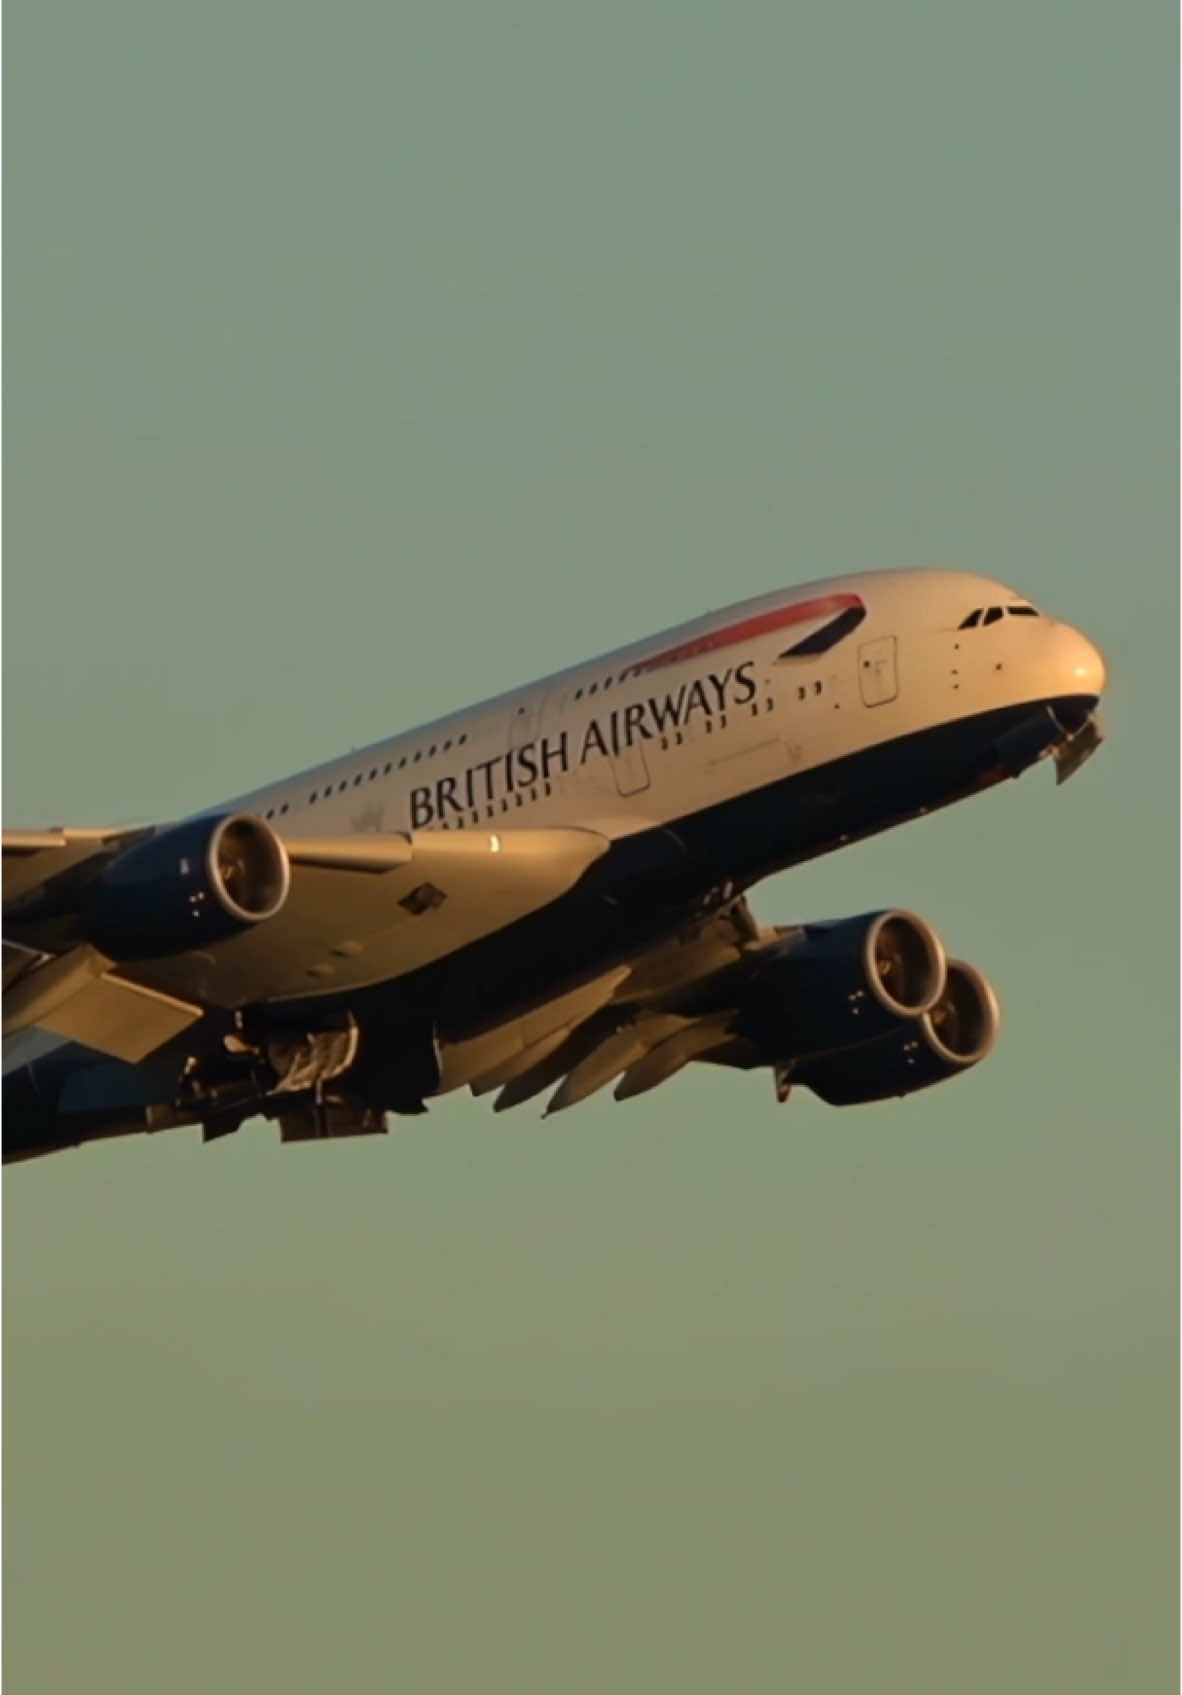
(362, 360)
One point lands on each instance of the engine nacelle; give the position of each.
(954, 1035)
(188, 886)
(828, 986)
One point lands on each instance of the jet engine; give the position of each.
(833, 984)
(187, 886)
(956, 1033)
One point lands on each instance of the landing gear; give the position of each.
(303, 1060)
(318, 1119)
(326, 1082)
(306, 1064)
(782, 1076)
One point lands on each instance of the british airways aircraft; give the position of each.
(548, 891)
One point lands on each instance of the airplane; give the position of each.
(548, 891)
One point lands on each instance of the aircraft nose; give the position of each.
(1083, 662)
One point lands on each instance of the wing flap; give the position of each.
(77, 997)
(615, 1054)
(490, 1059)
(672, 1004)
(667, 1057)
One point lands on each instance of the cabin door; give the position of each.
(878, 675)
(631, 770)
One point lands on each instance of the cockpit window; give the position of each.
(991, 614)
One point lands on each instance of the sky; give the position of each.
(363, 361)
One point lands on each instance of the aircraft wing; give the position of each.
(360, 910)
(34, 858)
(637, 1025)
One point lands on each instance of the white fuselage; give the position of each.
(710, 710)
(683, 767)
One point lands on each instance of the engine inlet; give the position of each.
(905, 963)
(963, 1025)
(249, 868)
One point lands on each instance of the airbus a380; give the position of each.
(548, 891)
